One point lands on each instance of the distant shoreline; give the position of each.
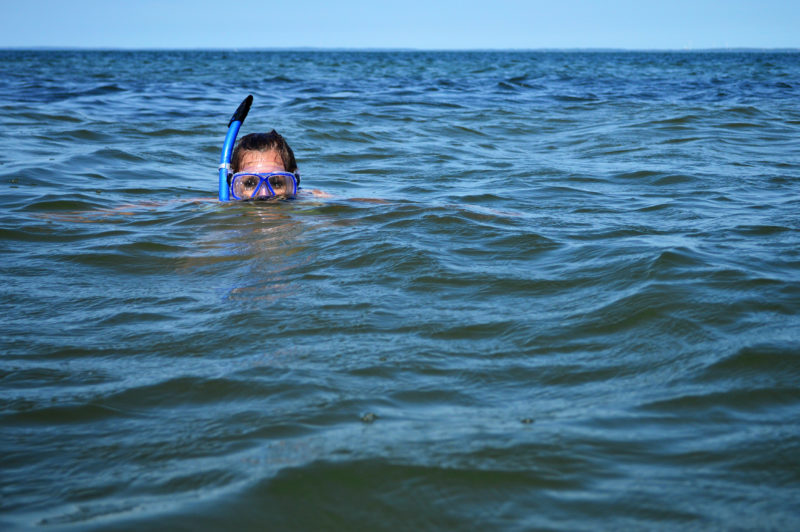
(405, 50)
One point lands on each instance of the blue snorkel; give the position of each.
(227, 149)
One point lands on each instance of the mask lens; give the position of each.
(281, 184)
(244, 186)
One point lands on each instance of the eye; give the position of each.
(250, 182)
(279, 183)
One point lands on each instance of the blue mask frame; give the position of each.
(264, 181)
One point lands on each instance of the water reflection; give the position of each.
(265, 245)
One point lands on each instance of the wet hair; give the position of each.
(264, 142)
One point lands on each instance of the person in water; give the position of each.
(263, 166)
(259, 166)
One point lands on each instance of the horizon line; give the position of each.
(387, 49)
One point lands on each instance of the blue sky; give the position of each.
(424, 24)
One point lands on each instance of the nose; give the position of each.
(262, 192)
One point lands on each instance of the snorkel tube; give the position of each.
(227, 149)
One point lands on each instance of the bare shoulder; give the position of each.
(368, 200)
(316, 193)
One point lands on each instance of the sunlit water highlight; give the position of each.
(549, 291)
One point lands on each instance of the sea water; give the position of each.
(542, 290)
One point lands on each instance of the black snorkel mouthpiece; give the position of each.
(241, 112)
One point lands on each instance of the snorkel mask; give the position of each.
(249, 185)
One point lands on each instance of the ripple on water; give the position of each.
(539, 278)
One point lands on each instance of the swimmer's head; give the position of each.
(260, 151)
(263, 167)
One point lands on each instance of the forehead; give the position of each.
(261, 160)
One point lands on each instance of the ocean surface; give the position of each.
(543, 291)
